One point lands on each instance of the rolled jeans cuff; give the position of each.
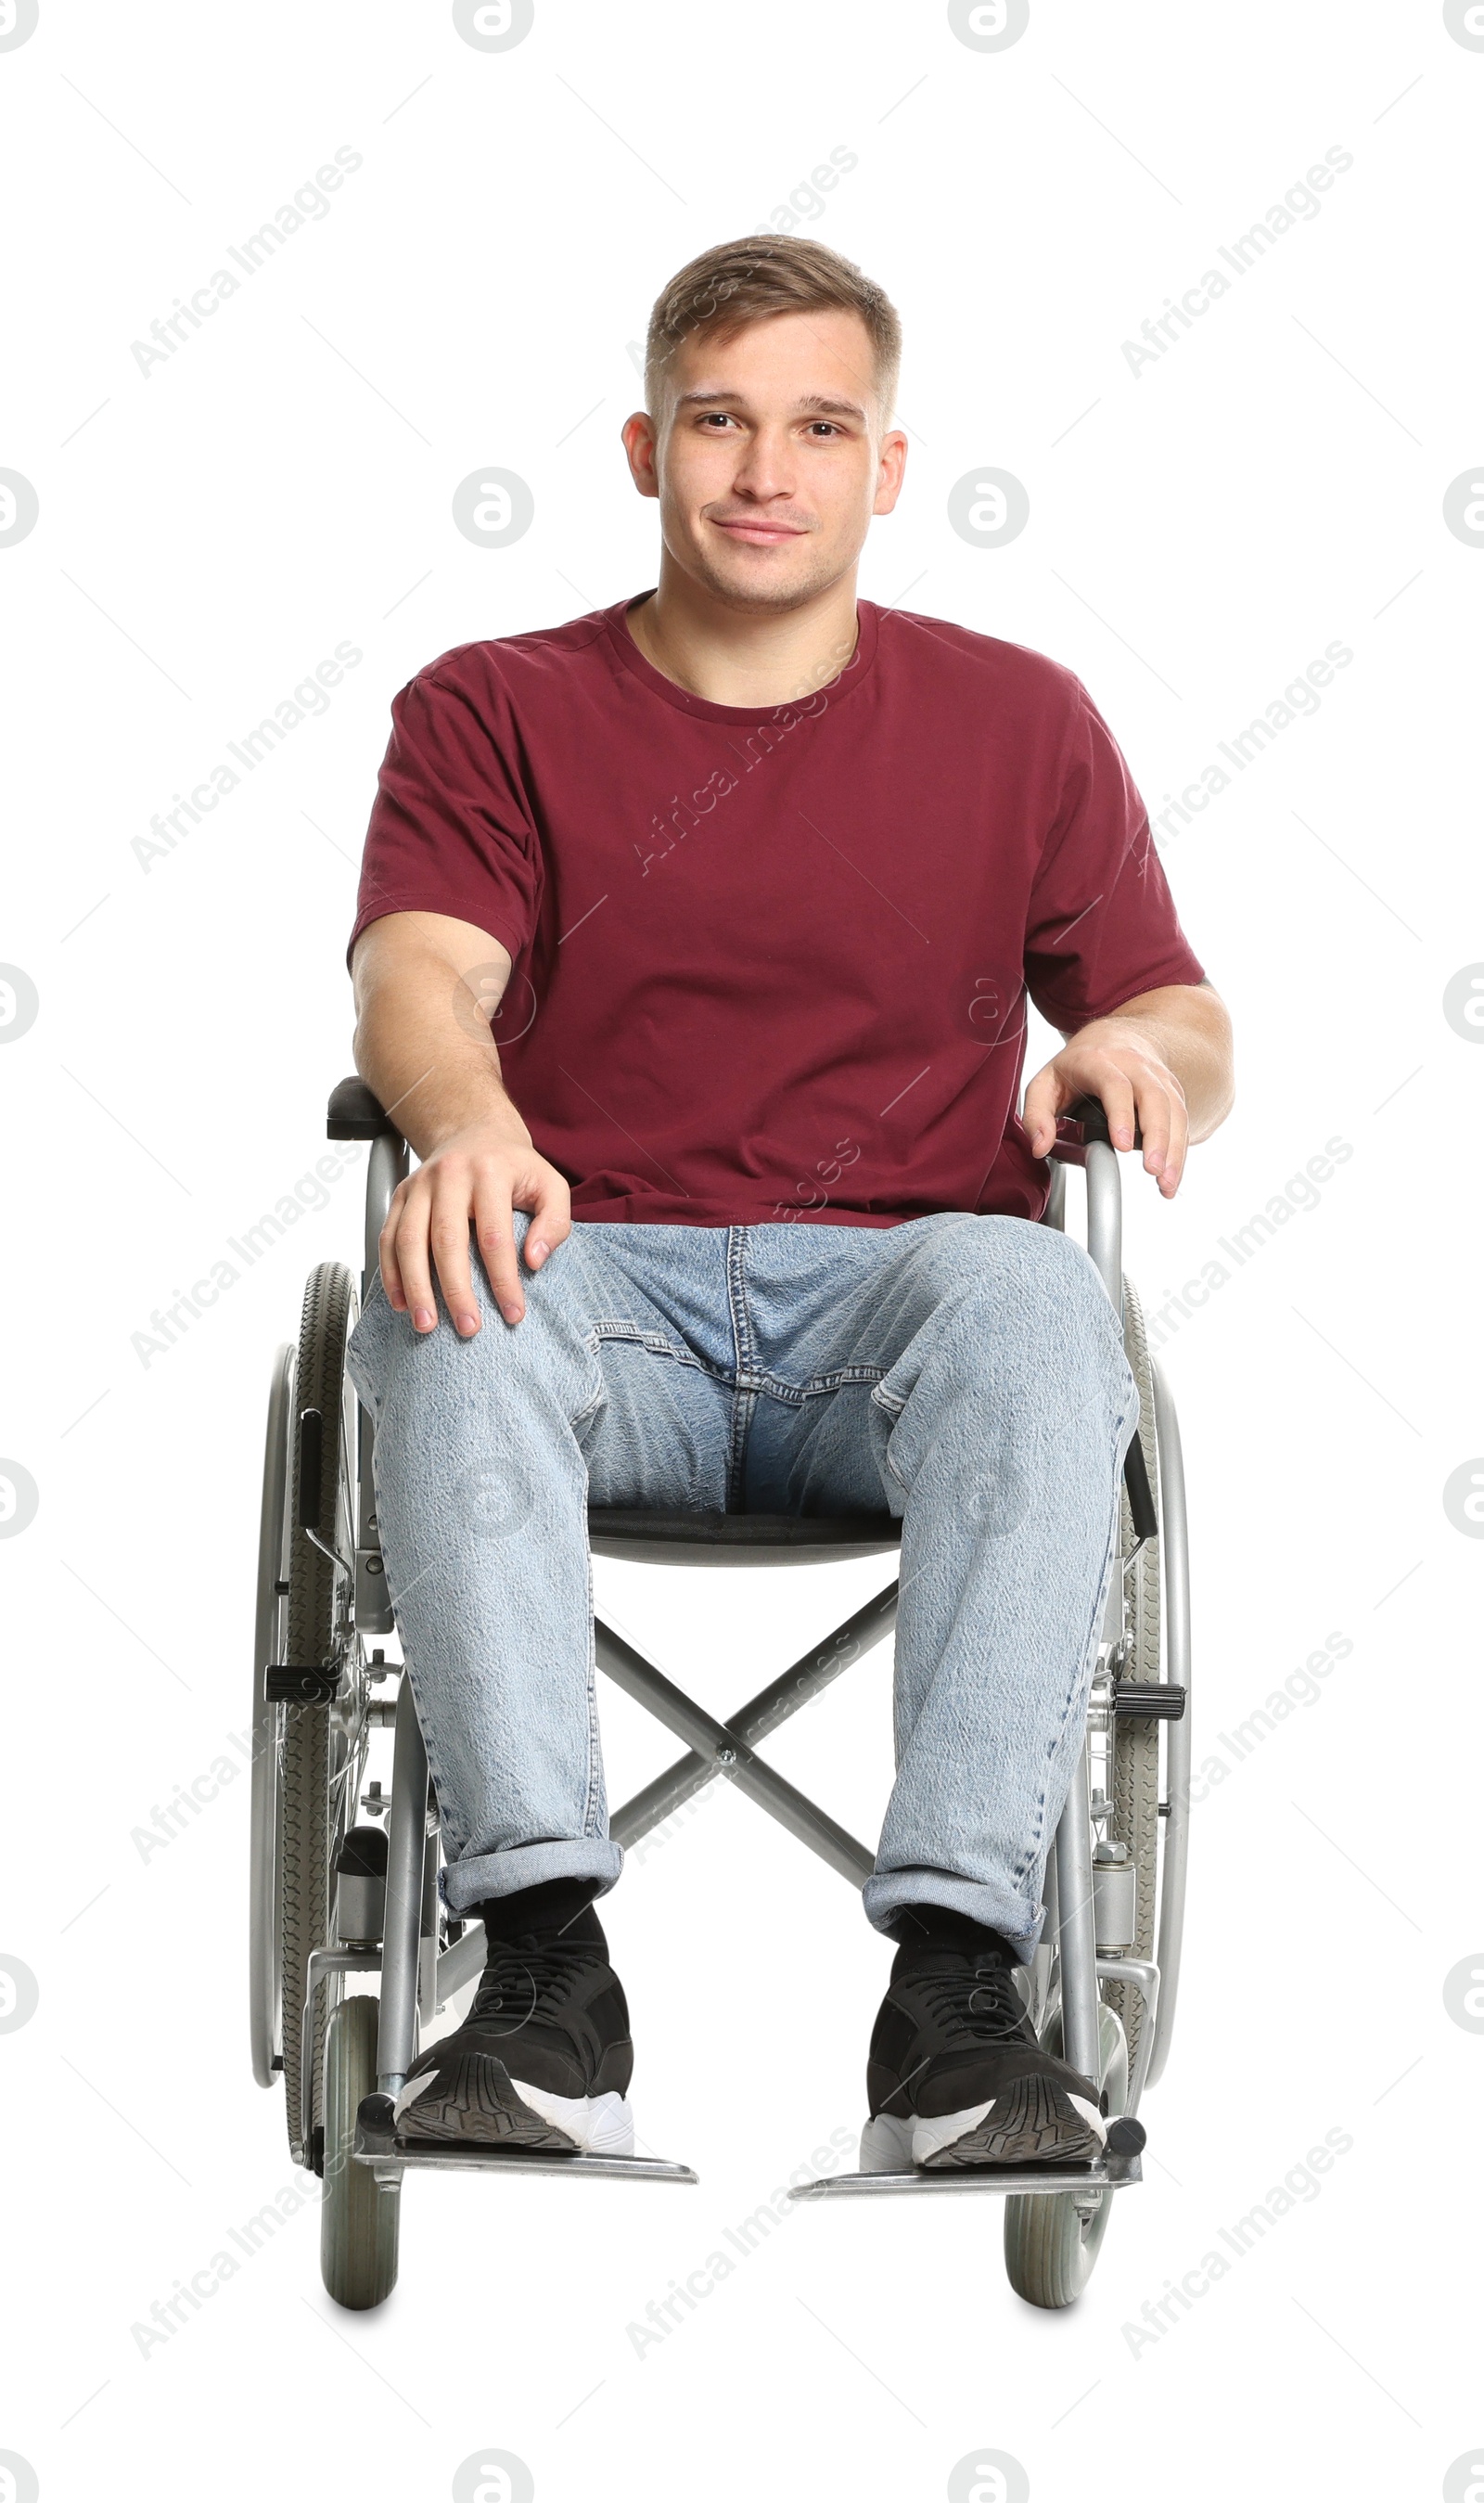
(994, 1907)
(466, 1882)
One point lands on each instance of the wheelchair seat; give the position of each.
(733, 1537)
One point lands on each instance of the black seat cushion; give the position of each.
(745, 1529)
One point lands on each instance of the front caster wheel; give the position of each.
(1051, 2242)
(358, 2221)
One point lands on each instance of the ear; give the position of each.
(889, 476)
(640, 438)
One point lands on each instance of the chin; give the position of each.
(758, 580)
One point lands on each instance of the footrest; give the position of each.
(1007, 2180)
(377, 2144)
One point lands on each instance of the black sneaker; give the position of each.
(543, 2059)
(956, 2075)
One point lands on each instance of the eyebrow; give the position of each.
(814, 403)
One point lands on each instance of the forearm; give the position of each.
(424, 1046)
(1190, 1031)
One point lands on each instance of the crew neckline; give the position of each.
(853, 675)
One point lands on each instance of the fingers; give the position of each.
(453, 1193)
(1045, 1097)
(1137, 1092)
(1115, 1094)
(1166, 1126)
(405, 1271)
(427, 1228)
(495, 1227)
(392, 1279)
(551, 1216)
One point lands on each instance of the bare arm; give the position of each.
(425, 989)
(1162, 1059)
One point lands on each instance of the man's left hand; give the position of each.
(1123, 1067)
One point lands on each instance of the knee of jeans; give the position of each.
(1041, 1316)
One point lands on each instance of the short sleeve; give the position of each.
(450, 831)
(1102, 926)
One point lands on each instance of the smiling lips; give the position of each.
(761, 534)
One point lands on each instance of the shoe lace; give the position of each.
(976, 2004)
(521, 1976)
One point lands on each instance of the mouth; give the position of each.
(760, 533)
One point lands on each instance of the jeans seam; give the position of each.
(594, 1742)
(742, 1401)
(1085, 1656)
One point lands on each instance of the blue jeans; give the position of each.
(964, 1373)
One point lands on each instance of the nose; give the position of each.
(767, 469)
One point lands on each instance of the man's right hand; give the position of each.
(479, 1174)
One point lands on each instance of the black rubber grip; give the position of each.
(311, 1466)
(1141, 1503)
(285, 1685)
(1132, 1701)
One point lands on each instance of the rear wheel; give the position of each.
(358, 2221)
(321, 1746)
(1133, 1785)
(1051, 2243)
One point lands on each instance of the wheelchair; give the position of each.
(344, 1869)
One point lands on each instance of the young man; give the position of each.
(753, 879)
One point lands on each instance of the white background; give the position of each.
(1197, 534)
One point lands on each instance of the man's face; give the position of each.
(768, 458)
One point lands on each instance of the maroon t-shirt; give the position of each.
(772, 963)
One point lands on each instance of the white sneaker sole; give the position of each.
(1044, 2126)
(473, 2097)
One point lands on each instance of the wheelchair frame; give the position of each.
(1064, 1987)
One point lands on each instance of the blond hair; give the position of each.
(733, 283)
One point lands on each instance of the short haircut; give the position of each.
(733, 283)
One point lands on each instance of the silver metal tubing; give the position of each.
(263, 1961)
(776, 1703)
(1106, 1219)
(1145, 1978)
(325, 1960)
(406, 1850)
(710, 1737)
(385, 1167)
(1054, 1214)
(460, 1962)
(1076, 1934)
(1174, 1541)
(428, 2001)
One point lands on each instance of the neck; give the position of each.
(734, 656)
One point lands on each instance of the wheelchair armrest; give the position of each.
(354, 1113)
(1085, 1123)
